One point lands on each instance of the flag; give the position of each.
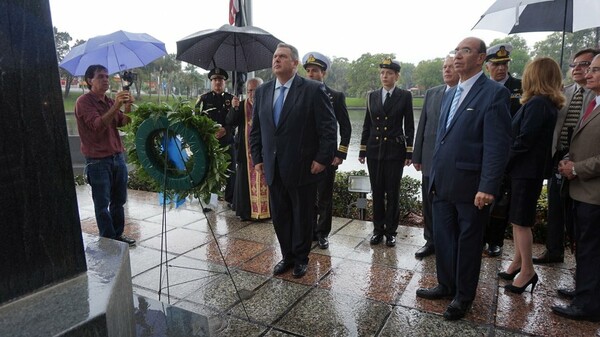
(234, 8)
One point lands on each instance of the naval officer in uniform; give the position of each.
(386, 143)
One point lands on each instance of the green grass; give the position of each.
(351, 102)
(69, 102)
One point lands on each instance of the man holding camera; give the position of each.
(98, 117)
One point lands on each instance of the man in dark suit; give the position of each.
(424, 144)
(293, 140)
(469, 159)
(316, 65)
(497, 64)
(578, 97)
(386, 142)
(582, 168)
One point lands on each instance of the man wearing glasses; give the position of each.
(578, 97)
(582, 169)
(469, 158)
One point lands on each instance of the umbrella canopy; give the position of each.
(514, 16)
(118, 51)
(232, 48)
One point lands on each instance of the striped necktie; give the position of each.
(454, 105)
(572, 117)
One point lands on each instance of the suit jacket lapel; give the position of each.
(465, 103)
(444, 110)
(290, 99)
(592, 115)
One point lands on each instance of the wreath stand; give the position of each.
(157, 168)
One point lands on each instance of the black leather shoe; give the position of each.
(299, 270)
(323, 242)
(457, 310)
(207, 209)
(575, 313)
(493, 251)
(547, 258)
(566, 293)
(390, 240)
(376, 239)
(282, 266)
(126, 239)
(436, 293)
(425, 251)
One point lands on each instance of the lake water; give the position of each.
(357, 116)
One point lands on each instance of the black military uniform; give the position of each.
(216, 106)
(386, 145)
(324, 202)
(494, 233)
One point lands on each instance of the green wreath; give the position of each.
(205, 171)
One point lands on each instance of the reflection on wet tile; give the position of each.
(338, 223)
(177, 217)
(338, 315)
(411, 236)
(142, 230)
(223, 324)
(376, 282)
(143, 259)
(178, 240)
(270, 301)
(263, 263)
(262, 232)
(143, 211)
(357, 228)
(395, 257)
(221, 294)
(409, 322)
(185, 276)
(217, 223)
(531, 313)
(339, 245)
(233, 250)
(89, 226)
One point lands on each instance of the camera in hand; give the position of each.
(128, 78)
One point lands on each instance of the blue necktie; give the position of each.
(454, 105)
(278, 105)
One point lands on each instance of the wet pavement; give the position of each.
(351, 289)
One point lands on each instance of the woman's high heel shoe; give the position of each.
(508, 276)
(519, 290)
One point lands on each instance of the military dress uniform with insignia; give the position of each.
(495, 229)
(216, 106)
(386, 142)
(324, 202)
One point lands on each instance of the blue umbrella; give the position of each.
(118, 51)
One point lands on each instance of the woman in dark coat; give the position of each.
(530, 162)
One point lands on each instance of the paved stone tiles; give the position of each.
(351, 289)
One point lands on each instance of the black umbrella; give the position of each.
(524, 16)
(232, 48)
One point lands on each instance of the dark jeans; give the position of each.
(108, 179)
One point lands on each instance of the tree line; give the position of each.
(167, 76)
